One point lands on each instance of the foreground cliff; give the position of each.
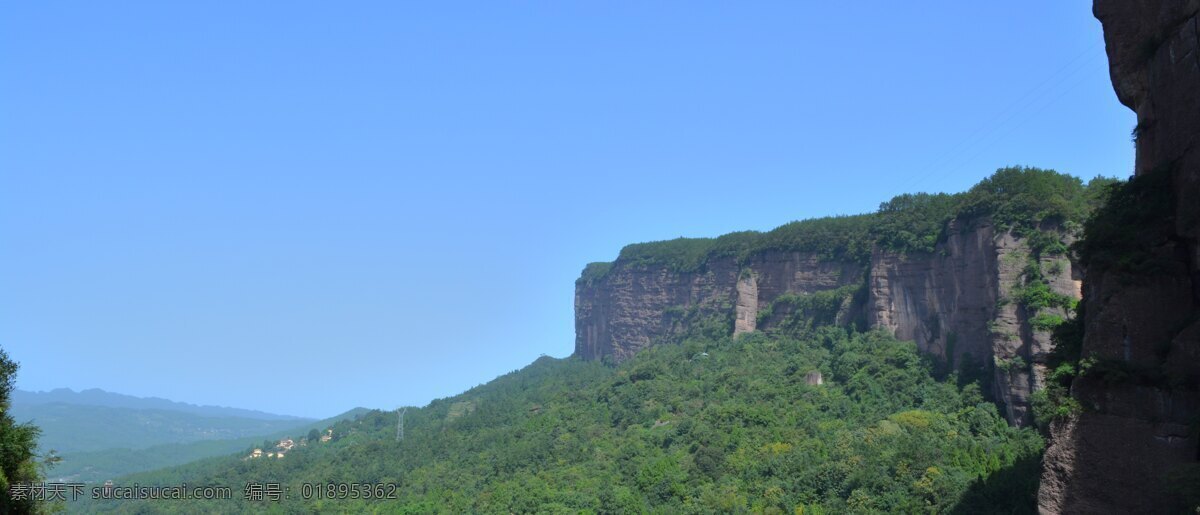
(978, 280)
(1132, 445)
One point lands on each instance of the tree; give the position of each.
(17, 445)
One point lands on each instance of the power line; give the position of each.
(1033, 95)
(1025, 121)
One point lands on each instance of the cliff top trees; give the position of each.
(1020, 198)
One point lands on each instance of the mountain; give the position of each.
(840, 364)
(977, 279)
(1131, 442)
(102, 465)
(810, 419)
(98, 397)
(101, 435)
(71, 428)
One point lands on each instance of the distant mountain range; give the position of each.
(69, 428)
(101, 435)
(98, 397)
(98, 466)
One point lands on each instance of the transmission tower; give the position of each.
(400, 425)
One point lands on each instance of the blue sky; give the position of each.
(303, 207)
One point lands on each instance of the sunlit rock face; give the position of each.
(955, 302)
(958, 305)
(633, 306)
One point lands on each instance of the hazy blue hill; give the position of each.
(101, 435)
(98, 397)
(98, 466)
(69, 428)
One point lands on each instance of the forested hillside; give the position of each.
(711, 423)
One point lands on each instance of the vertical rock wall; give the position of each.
(955, 302)
(746, 306)
(958, 304)
(634, 305)
(1135, 445)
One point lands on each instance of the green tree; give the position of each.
(18, 443)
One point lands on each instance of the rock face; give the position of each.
(954, 302)
(1135, 441)
(958, 304)
(746, 310)
(633, 305)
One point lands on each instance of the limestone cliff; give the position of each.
(1134, 445)
(958, 302)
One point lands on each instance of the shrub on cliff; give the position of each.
(1134, 220)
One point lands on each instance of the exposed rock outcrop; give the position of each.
(1134, 448)
(956, 302)
(633, 305)
(960, 305)
(746, 307)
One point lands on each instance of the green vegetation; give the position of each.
(843, 237)
(1134, 221)
(798, 312)
(18, 444)
(1054, 402)
(1037, 295)
(98, 466)
(1063, 363)
(1130, 221)
(915, 222)
(711, 423)
(594, 271)
(1013, 364)
(1046, 321)
(738, 430)
(1026, 200)
(72, 428)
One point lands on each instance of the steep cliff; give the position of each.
(964, 303)
(981, 296)
(633, 305)
(1133, 446)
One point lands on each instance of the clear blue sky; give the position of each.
(302, 207)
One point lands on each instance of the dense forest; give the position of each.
(712, 423)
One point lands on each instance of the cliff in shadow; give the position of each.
(1127, 439)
